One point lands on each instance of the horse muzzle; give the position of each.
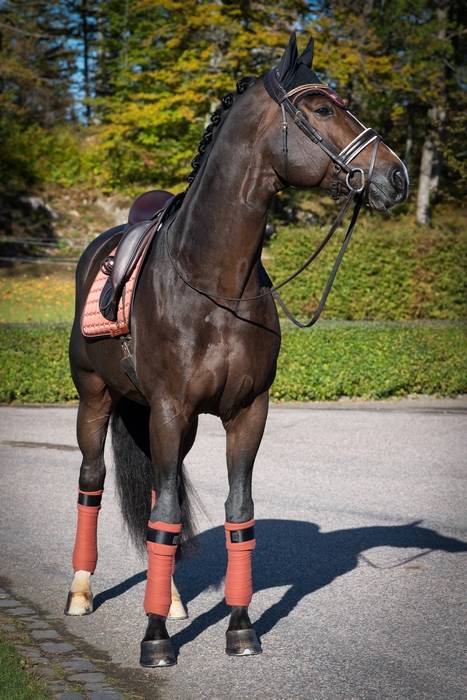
(385, 191)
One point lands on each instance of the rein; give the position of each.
(341, 159)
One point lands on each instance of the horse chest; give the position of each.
(241, 365)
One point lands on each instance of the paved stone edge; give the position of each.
(70, 668)
(410, 402)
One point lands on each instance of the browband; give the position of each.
(315, 89)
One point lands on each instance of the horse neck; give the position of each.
(218, 232)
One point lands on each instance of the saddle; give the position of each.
(108, 305)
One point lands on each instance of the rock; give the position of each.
(44, 634)
(95, 677)
(76, 664)
(9, 603)
(57, 647)
(18, 612)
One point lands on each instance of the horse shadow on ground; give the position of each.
(289, 553)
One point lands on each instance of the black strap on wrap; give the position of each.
(162, 537)
(245, 535)
(87, 499)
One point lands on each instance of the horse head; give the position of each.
(315, 141)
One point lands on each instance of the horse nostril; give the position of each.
(398, 180)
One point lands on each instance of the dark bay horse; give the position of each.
(196, 347)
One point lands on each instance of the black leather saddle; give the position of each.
(146, 212)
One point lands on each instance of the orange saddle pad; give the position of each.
(93, 323)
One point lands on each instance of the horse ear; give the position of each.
(307, 56)
(289, 57)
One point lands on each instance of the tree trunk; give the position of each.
(85, 35)
(424, 180)
(430, 164)
(409, 140)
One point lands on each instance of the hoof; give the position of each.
(242, 643)
(157, 653)
(177, 611)
(79, 604)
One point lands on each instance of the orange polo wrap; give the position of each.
(85, 550)
(161, 561)
(238, 579)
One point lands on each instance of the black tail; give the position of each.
(130, 443)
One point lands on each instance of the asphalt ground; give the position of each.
(359, 569)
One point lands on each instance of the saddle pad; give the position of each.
(93, 323)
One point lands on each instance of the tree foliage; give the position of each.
(131, 82)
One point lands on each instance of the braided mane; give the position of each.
(214, 121)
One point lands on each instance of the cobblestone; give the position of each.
(75, 664)
(57, 647)
(87, 678)
(44, 634)
(55, 660)
(36, 624)
(17, 612)
(9, 603)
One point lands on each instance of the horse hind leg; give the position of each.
(177, 609)
(93, 418)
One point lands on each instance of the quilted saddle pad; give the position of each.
(93, 323)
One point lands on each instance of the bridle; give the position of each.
(342, 159)
(356, 192)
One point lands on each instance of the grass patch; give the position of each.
(15, 681)
(33, 294)
(372, 360)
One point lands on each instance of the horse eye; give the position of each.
(323, 111)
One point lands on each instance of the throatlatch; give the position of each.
(240, 543)
(85, 550)
(162, 541)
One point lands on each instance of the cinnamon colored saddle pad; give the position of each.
(108, 305)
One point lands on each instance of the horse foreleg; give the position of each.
(244, 433)
(93, 419)
(167, 437)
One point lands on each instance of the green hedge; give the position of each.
(393, 268)
(374, 360)
(34, 364)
